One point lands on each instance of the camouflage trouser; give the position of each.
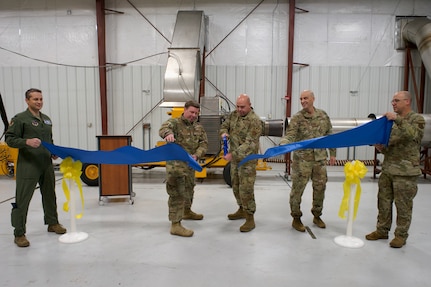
(243, 179)
(302, 171)
(180, 184)
(401, 190)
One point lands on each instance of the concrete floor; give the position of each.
(130, 245)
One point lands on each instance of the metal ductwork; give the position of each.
(344, 124)
(183, 70)
(426, 140)
(418, 32)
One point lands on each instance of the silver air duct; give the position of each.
(418, 32)
(344, 124)
(426, 140)
(183, 70)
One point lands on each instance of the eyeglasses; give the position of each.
(397, 101)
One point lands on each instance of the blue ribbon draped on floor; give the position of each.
(373, 132)
(126, 155)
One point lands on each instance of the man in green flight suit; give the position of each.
(26, 132)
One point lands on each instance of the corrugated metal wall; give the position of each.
(72, 98)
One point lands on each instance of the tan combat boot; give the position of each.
(239, 214)
(319, 222)
(189, 214)
(375, 235)
(21, 241)
(178, 229)
(249, 223)
(57, 228)
(397, 242)
(297, 224)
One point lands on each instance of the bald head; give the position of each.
(404, 94)
(243, 105)
(307, 101)
(308, 93)
(401, 103)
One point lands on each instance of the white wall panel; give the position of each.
(56, 32)
(71, 99)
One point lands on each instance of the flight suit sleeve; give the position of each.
(14, 134)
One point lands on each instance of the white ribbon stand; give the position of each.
(73, 236)
(348, 240)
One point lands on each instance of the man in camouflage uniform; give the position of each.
(180, 182)
(308, 123)
(400, 170)
(243, 129)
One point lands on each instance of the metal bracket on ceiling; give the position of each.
(300, 10)
(110, 11)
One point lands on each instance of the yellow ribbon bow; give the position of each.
(354, 171)
(72, 171)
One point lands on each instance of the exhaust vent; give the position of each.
(183, 70)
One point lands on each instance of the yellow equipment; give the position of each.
(8, 159)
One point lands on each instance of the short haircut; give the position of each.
(32, 90)
(192, 103)
(405, 94)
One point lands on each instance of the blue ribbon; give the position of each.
(225, 146)
(373, 132)
(126, 155)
